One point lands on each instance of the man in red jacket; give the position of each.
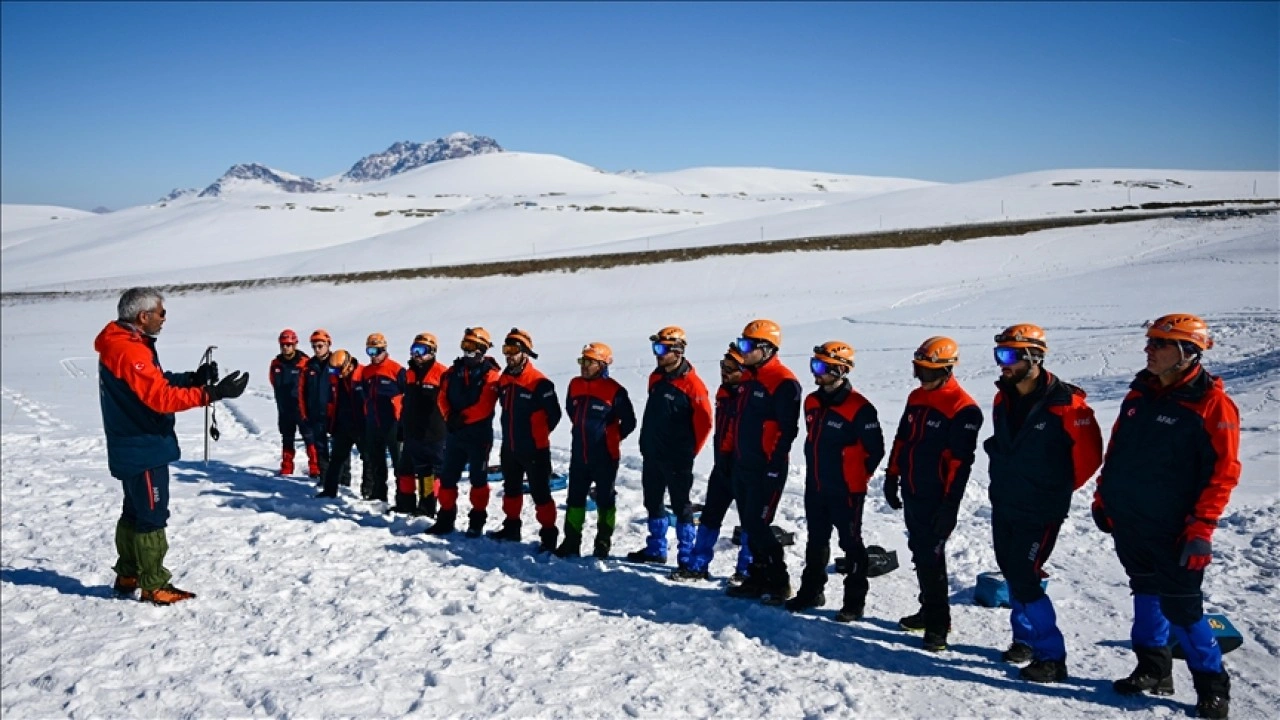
(931, 459)
(422, 426)
(315, 404)
(766, 427)
(1170, 468)
(530, 411)
(600, 411)
(677, 421)
(285, 370)
(380, 393)
(842, 449)
(138, 401)
(1045, 445)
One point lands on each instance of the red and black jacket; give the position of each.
(530, 410)
(1035, 466)
(1173, 455)
(844, 444)
(348, 405)
(934, 449)
(284, 375)
(421, 418)
(769, 420)
(601, 413)
(677, 416)
(470, 392)
(380, 394)
(728, 404)
(316, 387)
(138, 400)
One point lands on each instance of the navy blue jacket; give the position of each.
(602, 416)
(934, 449)
(677, 416)
(284, 376)
(844, 444)
(139, 400)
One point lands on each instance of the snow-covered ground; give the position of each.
(329, 610)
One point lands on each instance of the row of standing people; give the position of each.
(1046, 444)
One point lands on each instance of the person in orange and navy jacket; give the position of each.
(677, 422)
(346, 426)
(422, 425)
(1170, 467)
(468, 396)
(139, 400)
(932, 456)
(600, 410)
(381, 396)
(530, 411)
(285, 370)
(315, 404)
(842, 449)
(1046, 444)
(720, 483)
(766, 427)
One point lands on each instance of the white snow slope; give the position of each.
(310, 609)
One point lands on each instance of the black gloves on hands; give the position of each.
(944, 520)
(891, 492)
(207, 374)
(231, 386)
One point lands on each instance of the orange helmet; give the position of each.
(599, 352)
(520, 339)
(764, 331)
(835, 352)
(288, 337)
(376, 340)
(339, 359)
(671, 336)
(321, 335)
(1183, 327)
(734, 354)
(426, 338)
(1023, 335)
(478, 336)
(937, 352)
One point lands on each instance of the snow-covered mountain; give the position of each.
(178, 193)
(258, 177)
(406, 155)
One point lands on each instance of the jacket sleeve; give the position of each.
(899, 440)
(626, 414)
(302, 391)
(550, 403)
(443, 398)
(1219, 453)
(1086, 441)
(150, 384)
(786, 403)
(962, 445)
(1097, 492)
(870, 436)
(703, 420)
(271, 373)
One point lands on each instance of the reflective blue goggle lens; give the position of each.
(420, 350)
(1008, 356)
(659, 349)
(745, 345)
(819, 367)
(373, 352)
(334, 371)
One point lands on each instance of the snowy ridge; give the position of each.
(253, 176)
(337, 610)
(405, 155)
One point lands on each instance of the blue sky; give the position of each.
(116, 103)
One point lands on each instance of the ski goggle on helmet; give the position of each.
(423, 344)
(1015, 343)
(668, 339)
(834, 357)
(757, 333)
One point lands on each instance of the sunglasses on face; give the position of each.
(585, 361)
(509, 349)
(421, 350)
(1006, 356)
(161, 312)
(373, 351)
(729, 368)
(1160, 343)
(470, 346)
(319, 344)
(661, 349)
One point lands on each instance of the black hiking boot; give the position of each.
(1213, 694)
(642, 556)
(1017, 654)
(806, 600)
(934, 641)
(428, 506)
(571, 547)
(444, 524)
(737, 579)
(1154, 673)
(912, 623)
(686, 574)
(547, 538)
(849, 614)
(602, 547)
(750, 588)
(1044, 671)
(509, 532)
(777, 588)
(475, 523)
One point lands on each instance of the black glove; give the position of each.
(1100, 517)
(207, 374)
(891, 492)
(231, 386)
(944, 520)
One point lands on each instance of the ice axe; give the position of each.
(210, 416)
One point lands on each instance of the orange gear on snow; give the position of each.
(764, 330)
(321, 335)
(376, 340)
(599, 352)
(835, 352)
(1181, 326)
(671, 335)
(477, 335)
(937, 352)
(426, 338)
(288, 336)
(1023, 335)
